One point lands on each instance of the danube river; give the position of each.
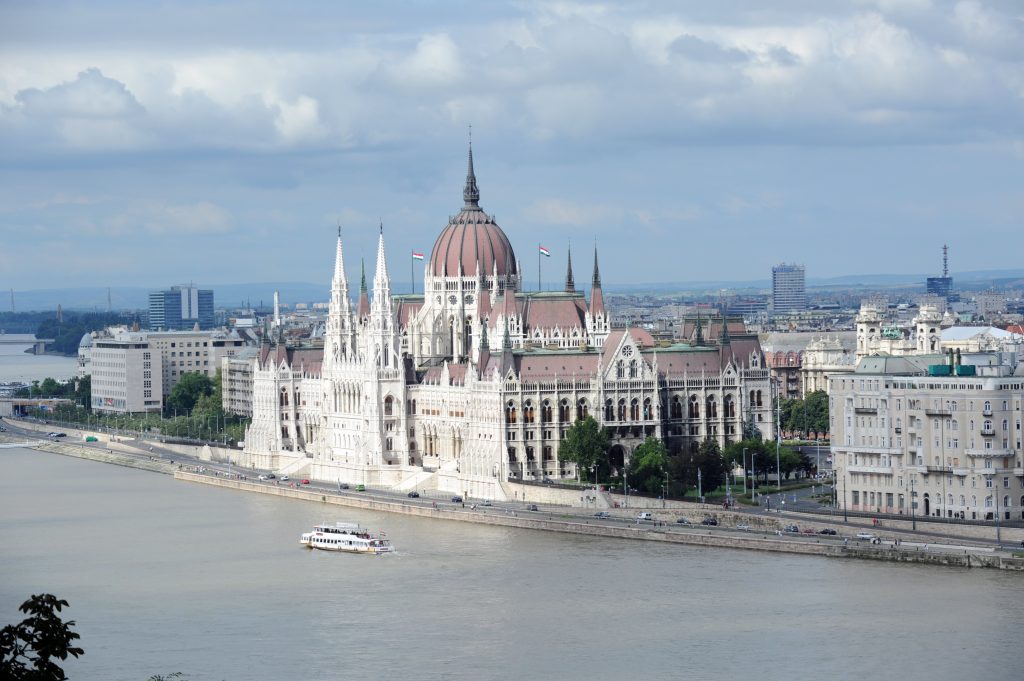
(165, 576)
(17, 365)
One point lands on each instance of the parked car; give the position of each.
(262, 477)
(343, 485)
(413, 495)
(271, 476)
(791, 528)
(487, 502)
(808, 531)
(743, 526)
(360, 488)
(866, 536)
(709, 521)
(532, 507)
(457, 499)
(304, 481)
(602, 514)
(683, 521)
(827, 530)
(285, 478)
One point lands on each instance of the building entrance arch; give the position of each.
(927, 504)
(617, 457)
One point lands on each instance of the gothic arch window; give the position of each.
(633, 368)
(582, 409)
(620, 369)
(647, 410)
(622, 409)
(730, 407)
(528, 412)
(758, 402)
(284, 398)
(545, 411)
(563, 411)
(677, 407)
(609, 410)
(712, 407)
(510, 412)
(694, 410)
(389, 406)
(634, 409)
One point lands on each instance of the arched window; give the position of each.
(620, 369)
(389, 406)
(633, 369)
(622, 410)
(609, 410)
(730, 407)
(634, 410)
(647, 409)
(545, 411)
(510, 412)
(955, 425)
(694, 410)
(563, 411)
(712, 407)
(582, 409)
(677, 407)
(987, 407)
(528, 412)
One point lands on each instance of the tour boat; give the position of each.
(345, 537)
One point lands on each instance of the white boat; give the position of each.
(345, 537)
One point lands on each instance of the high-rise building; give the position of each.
(942, 286)
(181, 308)
(788, 291)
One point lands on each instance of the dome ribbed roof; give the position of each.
(472, 239)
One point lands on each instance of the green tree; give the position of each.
(809, 415)
(28, 650)
(586, 445)
(648, 467)
(186, 393)
(706, 467)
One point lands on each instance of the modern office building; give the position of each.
(789, 293)
(941, 430)
(181, 308)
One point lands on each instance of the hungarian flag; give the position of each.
(417, 256)
(544, 251)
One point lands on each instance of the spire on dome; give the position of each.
(471, 194)
(570, 285)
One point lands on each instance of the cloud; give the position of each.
(90, 95)
(554, 211)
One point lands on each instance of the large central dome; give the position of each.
(472, 241)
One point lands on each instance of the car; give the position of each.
(743, 526)
(548, 481)
(791, 528)
(532, 507)
(413, 495)
(866, 536)
(262, 477)
(51, 434)
(644, 515)
(808, 531)
(457, 499)
(602, 514)
(2, 429)
(304, 481)
(343, 485)
(486, 502)
(828, 531)
(709, 521)
(360, 488)
(285, 478)
(271, 476)
(58, 435)
(683, 521)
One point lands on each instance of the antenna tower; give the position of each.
(945, 260)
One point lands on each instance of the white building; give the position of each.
(924, 428)
(474, 383)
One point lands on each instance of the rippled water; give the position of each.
(167, 576)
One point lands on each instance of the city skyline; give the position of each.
(660, 132)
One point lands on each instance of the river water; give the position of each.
(165, 576)
(17, 365)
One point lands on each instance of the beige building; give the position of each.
(824, 357)
(236, 381)
(916, 428)
(133, 371)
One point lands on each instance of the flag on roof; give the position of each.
(544, 251)
(417, 256)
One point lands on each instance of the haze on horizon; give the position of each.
(223, 142)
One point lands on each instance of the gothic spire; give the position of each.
(570, 285)
(362, 278)
(596, 295)
(596, 280)
(471, 194)
(723, 337)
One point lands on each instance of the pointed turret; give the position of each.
(596, 295)
(471, 194)
(381, 280)
(339, 317)
(698, 334)
(570, 285)
(363, 311)
(723, 335)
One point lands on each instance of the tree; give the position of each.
(760, 456)
(187, 392)
(809, 415)
(648, 466)
(706, 466)
(585, 444)
(28, 649)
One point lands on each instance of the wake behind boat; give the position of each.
(345, 537)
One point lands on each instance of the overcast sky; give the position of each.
(149, 144)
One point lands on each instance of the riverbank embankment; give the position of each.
(553, 522)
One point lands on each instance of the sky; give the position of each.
(151, 144)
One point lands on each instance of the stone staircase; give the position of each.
(298, 467)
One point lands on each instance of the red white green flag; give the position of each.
(544, 251)
(417, 256)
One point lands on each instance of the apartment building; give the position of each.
(931, 435)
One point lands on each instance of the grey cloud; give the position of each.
(90, 95)
(692, 47)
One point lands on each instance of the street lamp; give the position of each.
(744, 470)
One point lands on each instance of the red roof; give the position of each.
(473, 240)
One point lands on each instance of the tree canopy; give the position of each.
(28, 650)
(648, 466)
(806, 416)
(191, 387)
(586, 445)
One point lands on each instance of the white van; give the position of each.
(644, 516)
